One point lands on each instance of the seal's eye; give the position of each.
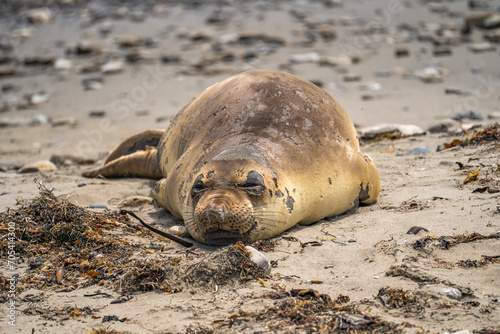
(254, 183)
(198, 186)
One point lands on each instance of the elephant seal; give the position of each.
(250, 157)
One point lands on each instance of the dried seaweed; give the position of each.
(65, 313)
(445, 242)
(68, 247)
(490, 134)
(407, 300)
(307, 310)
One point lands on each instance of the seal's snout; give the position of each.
(215, 213)
(224, 216)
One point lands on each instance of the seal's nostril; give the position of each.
(215, 214)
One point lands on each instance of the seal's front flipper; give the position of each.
(135, 157)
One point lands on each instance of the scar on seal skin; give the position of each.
(250, 157)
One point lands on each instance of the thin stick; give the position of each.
(183, 242)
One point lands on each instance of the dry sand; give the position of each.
(424, 190)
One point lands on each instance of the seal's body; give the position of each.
(250, 157)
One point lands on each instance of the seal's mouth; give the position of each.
(219, 237)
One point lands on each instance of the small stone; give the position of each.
(39, 16)
(440, 51)
(431, 74)
(86, 48)
(402, 52)
(311, 57)
(81, 184)
(352, 77)
(105, 28)
(494, 115)
(383, 73)
(168, 58)
(135, 55)
(71, 121)
(6, 71)
(134, 41)
(39, 119)
(418, 151)
(371, 86)
(63, 64)
(97, 113)
(352, 240)
(121, 13)
(113, 67)
(45, 60)
(482, 47)
(42, 165)
(456, 91)
(469, 114)
(95, 83)
(38, 98)
(258, 258)
(441, 289)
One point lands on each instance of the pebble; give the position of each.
(379, 129)
(401, 52)
(431, 74)
(63, 64)
(352, 77)
(42, 165)
(97, 113)
(134, 41)
(456, 91)
(39, 119)
(39, 16)
(444, 126)
(45, 60)
(81, 184)
(418, 151)
(441, 289)
(121, 13)
(71, 121)
(383, 73)
(440, 51)
(38, 98)
(482, 47)
(86, 48)
(494, 115)
(105, 28)
(351, 240)
(95, 83)
(113, 67)
(469, 114)
(258, 258)
(7, 71)
(136, 55)
(311, 57)
(371, 86)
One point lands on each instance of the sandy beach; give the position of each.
(78, 77)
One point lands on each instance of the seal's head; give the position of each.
(233, 198)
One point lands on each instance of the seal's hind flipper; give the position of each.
(137, 142)
(138, 164)
(135, 157)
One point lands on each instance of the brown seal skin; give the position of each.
(251, 157)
